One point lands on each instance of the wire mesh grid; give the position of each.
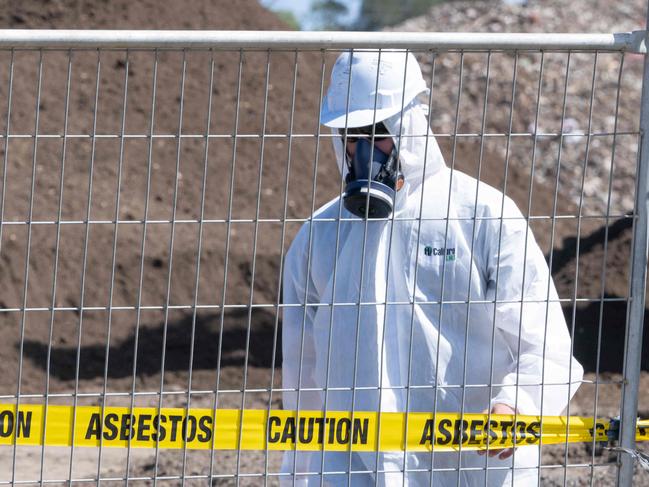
(149, 197)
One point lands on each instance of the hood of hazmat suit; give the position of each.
(445, 306)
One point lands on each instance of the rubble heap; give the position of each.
(537, 122)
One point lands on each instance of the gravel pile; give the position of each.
(585, 113)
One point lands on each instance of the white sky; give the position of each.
(300, 9)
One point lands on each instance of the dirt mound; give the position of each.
(133, 178)
(591, 96)
(153, 286)
(592, 275)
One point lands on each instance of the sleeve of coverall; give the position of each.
(531, 320)
(298, 352)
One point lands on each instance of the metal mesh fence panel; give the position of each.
(152, 187)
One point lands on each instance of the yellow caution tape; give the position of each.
(251, 429)
(642, 430)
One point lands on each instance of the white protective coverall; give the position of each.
(510, 337)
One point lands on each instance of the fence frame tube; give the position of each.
(181, 39)
(633, 342)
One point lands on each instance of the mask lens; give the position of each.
(379, 130)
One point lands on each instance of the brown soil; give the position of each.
(167, 345)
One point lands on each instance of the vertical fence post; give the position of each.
(633, 347)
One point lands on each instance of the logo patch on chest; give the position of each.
(446, 253)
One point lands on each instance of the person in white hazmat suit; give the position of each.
(457, 309)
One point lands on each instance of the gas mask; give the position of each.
(371, 171)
